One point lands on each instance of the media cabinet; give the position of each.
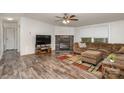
(43, 49)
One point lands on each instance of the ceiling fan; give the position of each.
(66, 19)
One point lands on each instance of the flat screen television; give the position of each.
(43, 39)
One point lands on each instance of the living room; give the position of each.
(64, 36)
(61, 46)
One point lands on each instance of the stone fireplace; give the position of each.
(64, 42)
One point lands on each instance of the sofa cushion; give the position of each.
(116, 47)
(121, 50)
(91, 48)
(120, 57)
(104, 51)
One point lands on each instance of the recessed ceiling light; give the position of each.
(10, 19)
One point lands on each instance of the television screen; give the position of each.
(43, 39)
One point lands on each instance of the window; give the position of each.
(86, 40)
(100, 40)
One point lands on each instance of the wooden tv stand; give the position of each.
(43, 50)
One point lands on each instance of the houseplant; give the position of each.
(111, 57)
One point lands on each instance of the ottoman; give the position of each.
(91, 56)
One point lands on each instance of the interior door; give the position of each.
(10, 38)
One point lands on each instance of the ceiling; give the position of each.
(84, 18)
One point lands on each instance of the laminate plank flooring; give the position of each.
(13, 66)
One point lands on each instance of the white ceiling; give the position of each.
(84, 18)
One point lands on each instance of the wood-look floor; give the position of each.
(12, 66)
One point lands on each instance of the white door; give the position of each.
(10, 38)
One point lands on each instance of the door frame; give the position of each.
(5, 37)
(15, 25)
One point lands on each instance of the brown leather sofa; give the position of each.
(97, 51)
(105, 48)
(113, 70)
(110, 70)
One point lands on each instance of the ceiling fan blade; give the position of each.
(74, 19)
(72, 16)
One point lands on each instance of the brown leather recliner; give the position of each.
(113, 70)
(77, 49)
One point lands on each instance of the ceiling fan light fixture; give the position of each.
(68, 21)
(65, 21)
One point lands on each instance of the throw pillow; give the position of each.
(82, 45)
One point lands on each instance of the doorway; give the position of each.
(11, 36)
(10, 42)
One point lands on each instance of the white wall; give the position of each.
(117, 32)
(29, 28)
(93, 31)
(1, 39)
(113, 30)
(64, 30)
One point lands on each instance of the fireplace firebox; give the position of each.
(64, 42)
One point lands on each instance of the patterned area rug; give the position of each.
(76, 61)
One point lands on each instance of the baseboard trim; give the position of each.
(27, 54)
